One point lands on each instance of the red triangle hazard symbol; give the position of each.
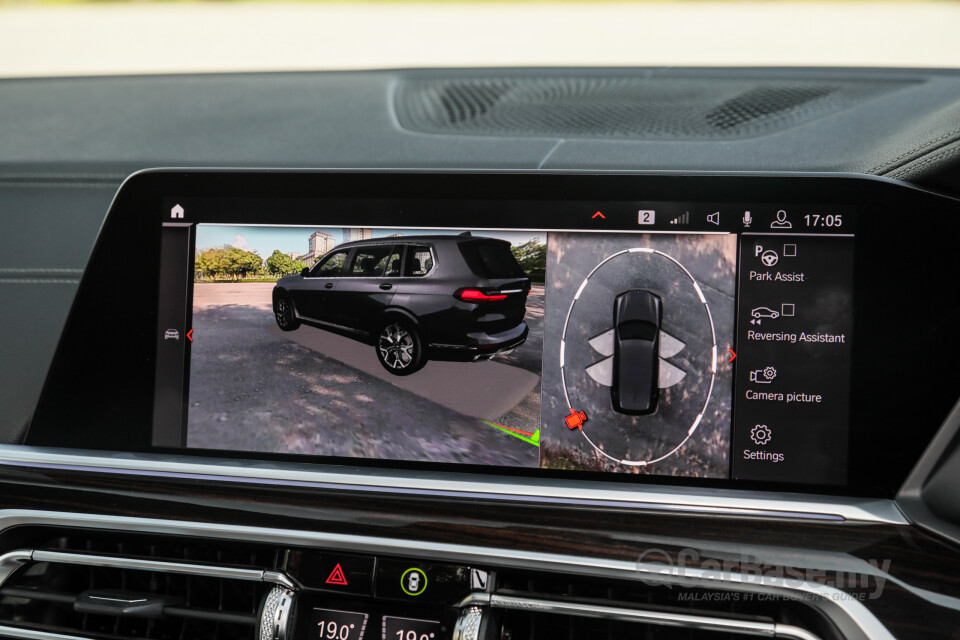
(337, 577)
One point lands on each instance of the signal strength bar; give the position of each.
(682, 219)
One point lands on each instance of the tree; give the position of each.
(227, 261)
(532, 257)
(201, 264)
(280, 264)
(239, 263)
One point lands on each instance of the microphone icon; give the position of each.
(747, 219)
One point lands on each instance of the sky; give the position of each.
(263, 240)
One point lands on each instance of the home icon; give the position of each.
(176, 212)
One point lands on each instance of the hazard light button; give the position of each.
(337, 577)
(341, 573)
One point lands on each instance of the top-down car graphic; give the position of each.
(637, 316)
(414, 298)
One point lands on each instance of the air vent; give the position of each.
(540, 607)
(163, 590)
(658, 107)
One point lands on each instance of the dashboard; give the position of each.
(489, 402)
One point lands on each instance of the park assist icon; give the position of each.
(413, 581)
(769, 258)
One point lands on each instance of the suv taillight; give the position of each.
(477, 295)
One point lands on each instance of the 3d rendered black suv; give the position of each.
(414, 298)
(637, 315)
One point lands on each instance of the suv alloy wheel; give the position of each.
(399, 347)
(283, 310)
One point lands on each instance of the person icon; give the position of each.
(781, 222)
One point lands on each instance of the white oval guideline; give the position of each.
(713, 367)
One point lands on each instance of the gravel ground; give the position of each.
(640, 438)
(253, 389)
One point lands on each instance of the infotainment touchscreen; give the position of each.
(680, 338)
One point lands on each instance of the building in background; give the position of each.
(319, 243)
(351, 234)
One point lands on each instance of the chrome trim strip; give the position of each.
(10, 562)
(470, 485)
(126, 600)
(475, 599)
(661, 618)
(138, 564)
(833, 600)
(30, 634)
(279, 578)
(647, 616)
(790, 631)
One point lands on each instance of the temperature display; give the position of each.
(332, 624)
(410, 629)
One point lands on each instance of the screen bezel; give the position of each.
(113, 320)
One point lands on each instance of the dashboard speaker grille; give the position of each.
(659, 107)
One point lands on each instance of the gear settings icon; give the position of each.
(761, 434)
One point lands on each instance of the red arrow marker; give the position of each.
(732, 355)
(190, 335)
(514, 429)
(598, 215)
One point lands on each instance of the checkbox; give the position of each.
(789, 251)
(786, 310)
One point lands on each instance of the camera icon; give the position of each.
(763, 376)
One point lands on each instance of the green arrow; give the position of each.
(516, 433)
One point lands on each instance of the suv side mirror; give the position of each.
(304, 271)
